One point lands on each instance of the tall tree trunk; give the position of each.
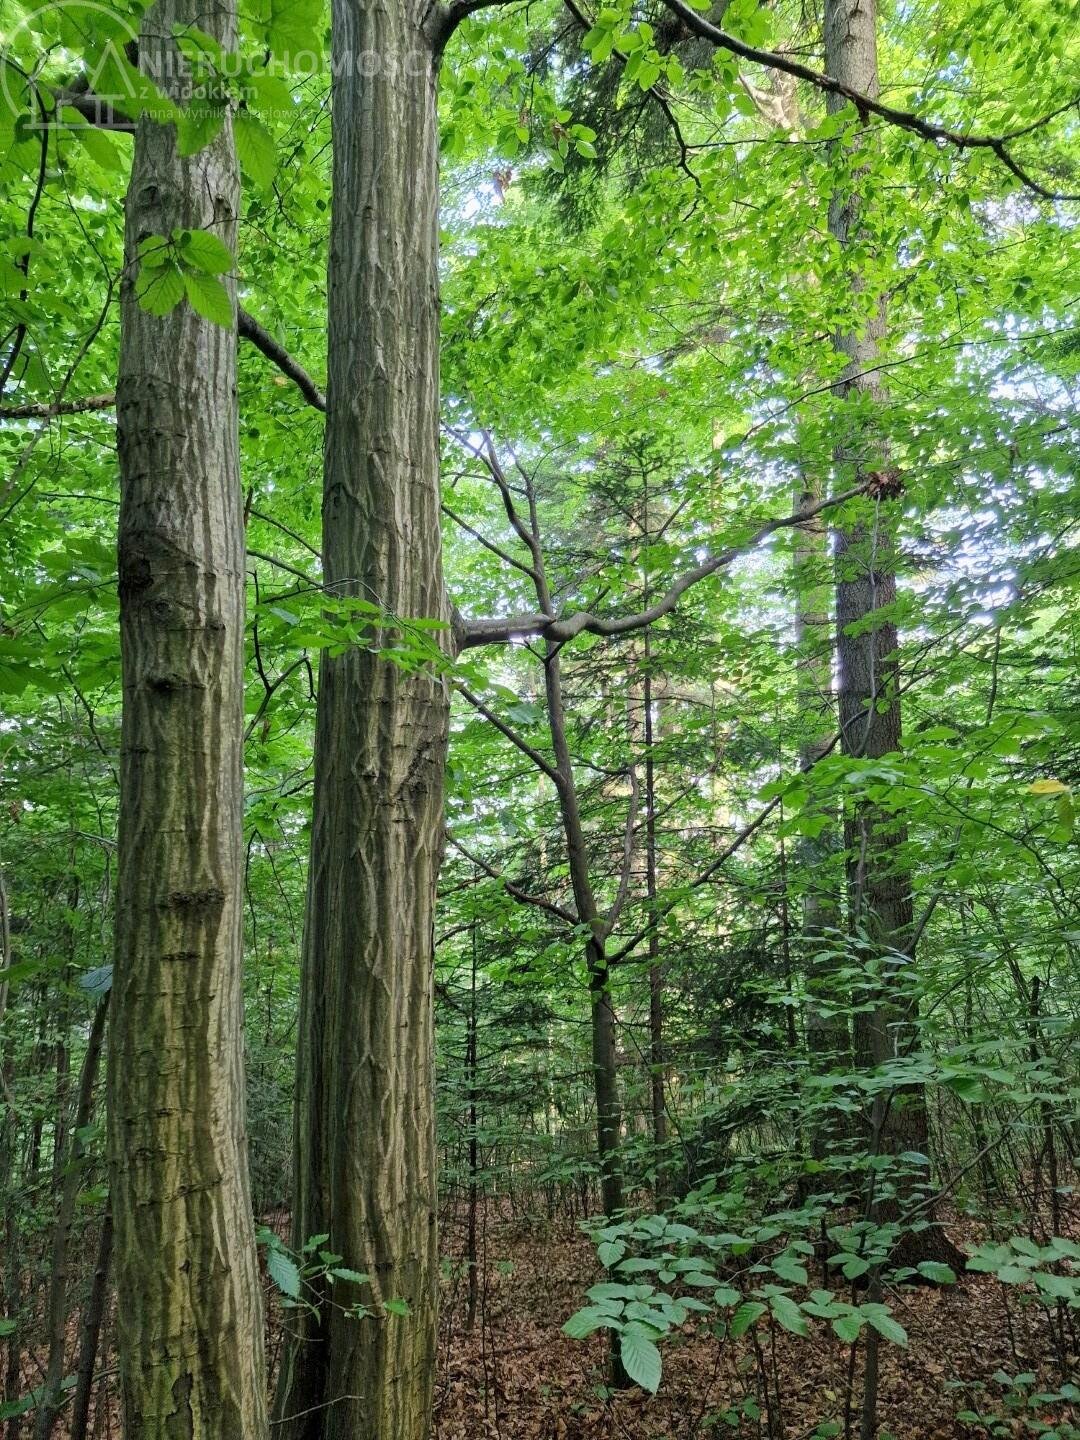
(828, 1037)
(658, 1105)
(57, 1304)
(880, 899)
(189, 1311)
(598, 967)
(8, 1147)
(472, 1120)
(90, 1338)
(365, 1131)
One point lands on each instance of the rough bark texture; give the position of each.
(189, 1312)
(365, 1133)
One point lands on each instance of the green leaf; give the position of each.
(94, 141)
(641, 1360)
(154, 251)
(1062, 1287)
(284, 1272)
(97, 982)
(745, 1316)
(209, 298)
(637, 1265)
(610, 1252)
(354, 1277)
(396, 1307)
(583, 1322)
(204, 250)
(788, 1314)
(936, 1271)
(789, 1269)
(160, 289)
(294, 28)
(255, 148)
(847, 1327)
(885, 1325)
(199, 125)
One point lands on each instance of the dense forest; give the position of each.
(539, 719)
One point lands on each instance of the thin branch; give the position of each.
(501, 629)
(654, 92)
(503, 555)
(704, 876)
(444, 19)
(903, 119)
(269, 520)
(515, 891)
(539, 760)
(43, 410)
(248, 328)
(281, 565)
(269, 690)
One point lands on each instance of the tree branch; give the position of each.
(539, 760)
(500, 629)
(903, 119)
(247, 327)
(623, 893)
(43, 410)
(444, 19)
(511, 889)
(504, 555)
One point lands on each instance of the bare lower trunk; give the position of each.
(601, 1005)
(471, 1058)
(828, 1038)
(90, 1338)
(365, 1132)
(189, 1312)
(57, 1304)
(658, 1104)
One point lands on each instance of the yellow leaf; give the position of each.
(1047, 787)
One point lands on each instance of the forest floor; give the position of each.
(517, 1377)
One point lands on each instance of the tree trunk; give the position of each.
(472, 1120)
(657, 1102)
(57, 1305)
(189, 1311)
(365, 1130)
(828, 1037)
(880, 899)
(90, 1339)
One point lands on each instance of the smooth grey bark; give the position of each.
(364, 1124)
(879, 891)
(867, 648)
(189, 1306)
(828, 1037)
(657, 1103)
